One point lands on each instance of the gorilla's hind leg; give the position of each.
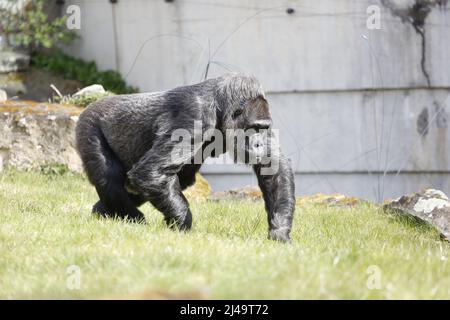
(115, 201)
(106, 173)
(117, 208)
(100, 209)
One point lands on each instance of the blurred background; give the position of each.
(358, 89)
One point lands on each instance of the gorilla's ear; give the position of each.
(257, 114)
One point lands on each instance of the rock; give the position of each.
(335, 200)
(428, 206)
(3, 96)
(11, 61)
(36, 134)
(93, 89)
(245, 193)
(200, 190)
(4, 157)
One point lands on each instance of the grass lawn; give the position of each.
(350, 253)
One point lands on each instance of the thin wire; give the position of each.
(228, 36)
(156, 37)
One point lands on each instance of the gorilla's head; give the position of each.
(245, 118)
(255, 121)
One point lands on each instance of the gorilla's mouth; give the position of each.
(252, 157)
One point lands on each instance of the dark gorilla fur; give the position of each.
(125, 145)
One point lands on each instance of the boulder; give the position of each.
(334, 200)
(428, 206)
(245, 193)
(3, 96)
(93, 89)
(36, 134)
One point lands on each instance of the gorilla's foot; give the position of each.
(281, 235)
(100, 209)
(134, 215)
(182, 222)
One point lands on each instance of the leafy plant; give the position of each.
(69, 67)
(82, 100)
(30, 27)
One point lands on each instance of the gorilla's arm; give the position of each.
(155, 178)
(279, 196)
(163, 172)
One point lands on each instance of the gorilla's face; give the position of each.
(256, 147)
(249, 132)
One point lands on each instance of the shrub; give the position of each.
(82, 100)
(30, 27)
(59, 63)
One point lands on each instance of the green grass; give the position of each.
(46, 226)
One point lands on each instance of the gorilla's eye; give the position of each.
(237, 113)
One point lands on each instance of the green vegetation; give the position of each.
(46, 226)
(32, 28)
(59, 63)
(58, 169)
(82, 100)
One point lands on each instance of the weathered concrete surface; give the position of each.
(34, 134)
(429, 205)
(360, 132)
(324, 45)
(366, 144)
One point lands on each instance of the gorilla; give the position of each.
(127, 147)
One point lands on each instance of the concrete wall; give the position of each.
(356, 112)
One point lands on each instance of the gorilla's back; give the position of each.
(131, 123)
(127, 122)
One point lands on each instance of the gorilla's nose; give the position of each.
(258, 146)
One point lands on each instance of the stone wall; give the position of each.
(35, 134)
